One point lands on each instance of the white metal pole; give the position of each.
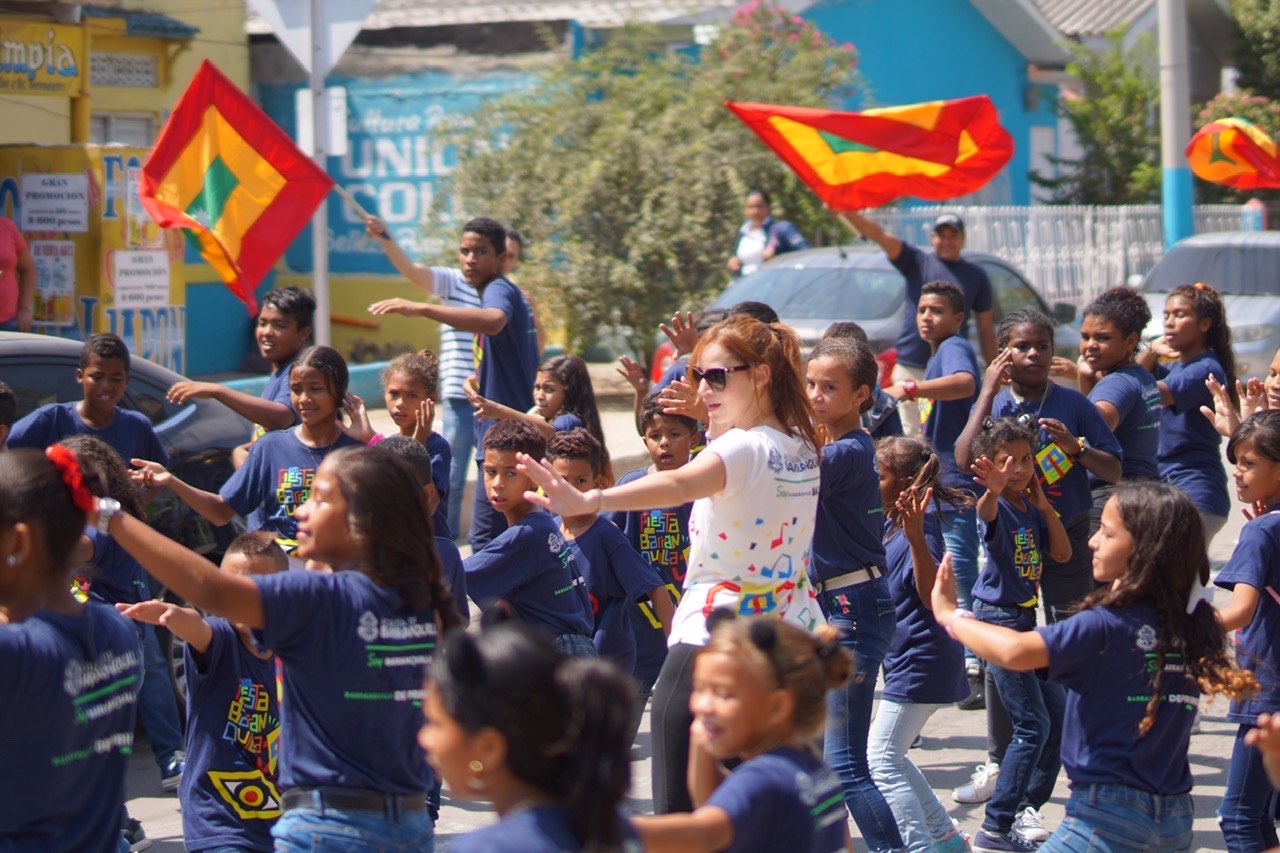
(320, 136)
(1175, 121)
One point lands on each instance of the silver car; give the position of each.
(1244, 266)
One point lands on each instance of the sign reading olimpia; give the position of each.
(41, 59)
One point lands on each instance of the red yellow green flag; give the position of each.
(234, 180)
(935, 150)
(1235, 152)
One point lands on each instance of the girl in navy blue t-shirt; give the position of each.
(1134, 661)
(275, 480)
(758, 690)
(1020, 529)
(1253, 576)
(354, 643)
(848, 571)
(1123, 391)
(1196, 345)
(71, 670)
(924, 668)
(543, 736)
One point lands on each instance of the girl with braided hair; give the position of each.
(1134, 660)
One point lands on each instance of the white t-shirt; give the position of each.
(751, 246)
(749, 545)
(457, 348)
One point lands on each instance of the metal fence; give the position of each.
(1071, 253)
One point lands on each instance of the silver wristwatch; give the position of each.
(107, 507)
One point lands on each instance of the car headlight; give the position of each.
(1249, 334)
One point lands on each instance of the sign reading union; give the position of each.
(41, 59)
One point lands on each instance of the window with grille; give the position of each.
(123, 129)
(129, 70)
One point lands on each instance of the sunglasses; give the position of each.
(716, 377)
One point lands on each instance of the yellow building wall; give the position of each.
(35, 118)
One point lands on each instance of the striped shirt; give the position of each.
(457, 347)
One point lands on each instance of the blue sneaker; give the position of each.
(1002, 842)
(171, 773)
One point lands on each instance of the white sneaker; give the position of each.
(1029, 825)
(983, 785)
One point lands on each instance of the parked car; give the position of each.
(1244, 266)
(812, 289)
(198, 437)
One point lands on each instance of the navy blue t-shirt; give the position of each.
(455, 575)
(441, 460)
(276, 479)
(944, 420)
(1189, 456)
(507, 363)
(115, 577)
(566, 421)
(850, 522)
(1065, 483)
(277, 391)
(1256, 562)
(617, 577)
(922, 664)
(228, 790)
(679, 369)
(1136, 396)
(67, 711)
(785, 799)
(354, 660)
(130, 434)
(662, 538)
(530, 567)
(1104, 657)
(1016, 544)
(883, 419)
(918, 267)
(545, 829)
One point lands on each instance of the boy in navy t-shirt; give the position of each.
(229, 794)
(615, 573)
(282, 330)
(103, 375)
(528, 569)
(506, 343)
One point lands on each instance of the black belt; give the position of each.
(353, 798)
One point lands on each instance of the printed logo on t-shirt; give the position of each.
(1026, 555)
(1146, 639)
(823, 795)
(99, 687)
(555, 543)
(251, 794)
(393, 641)
(663, 543)
(926, 410)
(293, 488)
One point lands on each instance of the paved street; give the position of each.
(955, 741)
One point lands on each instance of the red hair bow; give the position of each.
(69, 467)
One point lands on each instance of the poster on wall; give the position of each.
(58, 202)
(141, 278)
(55, 262)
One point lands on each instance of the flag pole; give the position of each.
(355, 206)
(320, 138)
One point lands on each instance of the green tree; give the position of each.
(1257, 47)
(1263, 112)
(628, 174)
(1115, 119)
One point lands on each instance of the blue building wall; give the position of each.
(925, 50)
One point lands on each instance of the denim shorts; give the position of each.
(574, 645)
(1123, 820)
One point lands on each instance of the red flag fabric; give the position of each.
(935, 150)
(233, 179)
(1234, 152)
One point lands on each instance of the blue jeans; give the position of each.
(157, 705)
(574, 645)
(317, 829)
(960, 532)
(1033, 759)
(1248, 802)
(458, 426)
(922, 819)
(1120, 819)
(864, 616)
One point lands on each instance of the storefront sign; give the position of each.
(42, 59)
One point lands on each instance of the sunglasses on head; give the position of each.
(716, 377)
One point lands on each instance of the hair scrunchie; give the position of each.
(68, 465)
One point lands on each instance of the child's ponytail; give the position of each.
(1207, 303)
(597, 772)
(836, 663)
(915, 463)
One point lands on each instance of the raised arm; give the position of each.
(184, 623)
(1017, 650)
(419, 274)
(996, 377)
(188, 574)
(873, 231)
(480, 321)
(269, 413)
(153, 475)
(701, 478)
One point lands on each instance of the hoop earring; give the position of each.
(475, 783)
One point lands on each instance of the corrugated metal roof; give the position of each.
(1091, 17)
(390, 14)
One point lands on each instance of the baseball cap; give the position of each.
(949, 220)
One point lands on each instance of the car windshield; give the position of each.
(1252, 270)
(818, 293)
